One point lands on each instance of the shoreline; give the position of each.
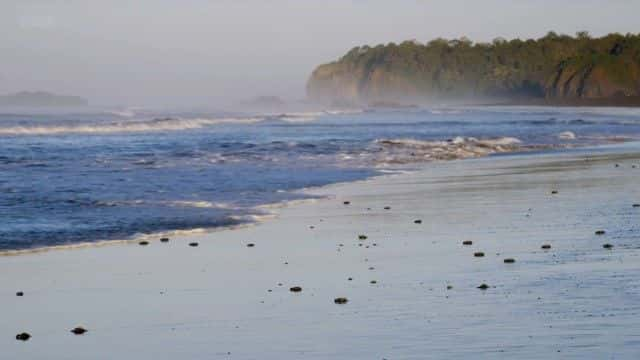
(269, 211)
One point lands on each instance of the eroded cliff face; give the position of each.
(549, 68)
(592, 81)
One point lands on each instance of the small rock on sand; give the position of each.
(23, 336)
(19, 293)
(193, 244)
(467, 242)
(164, 239)
(509, 261)
(600, 232)
(546, 246)
(607, 246)
(478, 254)
(79, 330)
(295, 289)
(143, 243)
(483, 287)
(340, 300)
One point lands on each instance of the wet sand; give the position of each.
(226, 300)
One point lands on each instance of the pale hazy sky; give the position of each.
(196, 52)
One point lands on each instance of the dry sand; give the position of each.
(225, 300)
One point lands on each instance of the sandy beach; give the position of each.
(412, 288)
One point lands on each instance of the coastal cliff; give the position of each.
(554, 68)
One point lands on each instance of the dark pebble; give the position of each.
(509, 261)
(193, 244)
(295, 289)
(19, 293)
(483, 287)
(478, 254)
(607, 246)
(143, 243)
(23, 336)
(251, 245)
(546, 246)
(417, 221)
(164, 240)
(600, 232)
(467, 242)
(340, 300)
(79, 330)
(362, 237)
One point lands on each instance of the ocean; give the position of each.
(70, 177)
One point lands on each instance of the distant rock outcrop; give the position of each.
(553, 68)
(41, 99)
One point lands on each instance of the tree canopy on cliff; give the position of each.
(552, 66)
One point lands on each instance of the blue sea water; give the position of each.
(82, 176)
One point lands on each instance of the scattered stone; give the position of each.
(295, 289)
(143, 243)
(23, 336)
(340, 300)
(600, 232)
(19, 293)
(509, 261)
(362, 237)
(607, 246)
(347, 202)
(467, 242)
(546, 247)
(251, 245)
(478, 254)
(164, 240)
(193, 244)
(79, 330)
(417, 221)
(483, 287)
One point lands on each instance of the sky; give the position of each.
(198, 53)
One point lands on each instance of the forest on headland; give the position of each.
(554, 69)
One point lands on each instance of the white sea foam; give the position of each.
(567, 135)
(126, 127)
(394, 151)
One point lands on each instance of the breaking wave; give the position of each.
(169, 124)
(399, 151)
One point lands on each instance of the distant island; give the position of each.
(555, 69)
(41, 99)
